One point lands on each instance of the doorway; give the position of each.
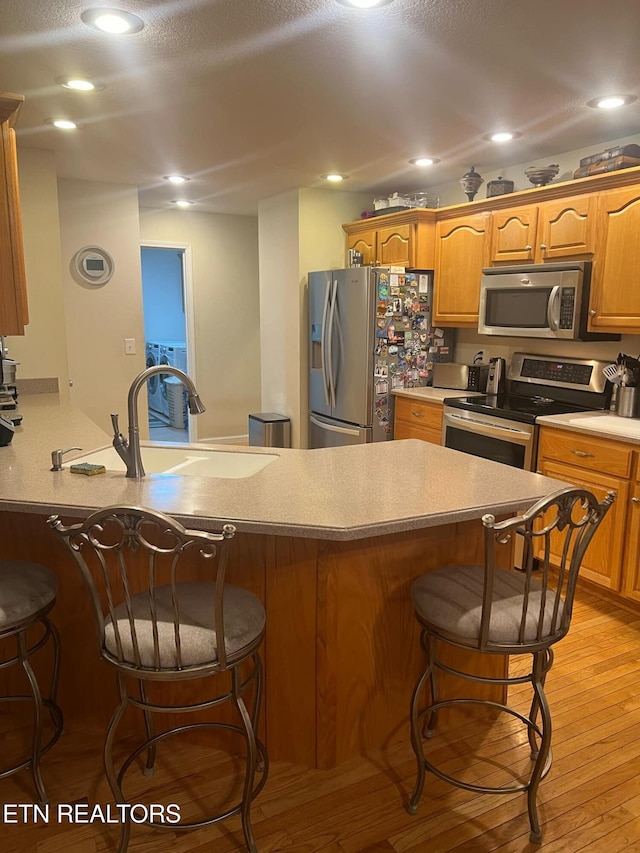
(166, 291)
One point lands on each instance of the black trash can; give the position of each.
(268, 429)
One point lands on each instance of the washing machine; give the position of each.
(175, 354)
(154, 385)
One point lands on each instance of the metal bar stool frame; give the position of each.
(24, 652)
(534, 638)
(136, 527)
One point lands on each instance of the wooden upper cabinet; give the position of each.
(13, 290)
(615, 294)
(403, 239)
(365, 243)
(514, 235)
(396, 245)
(550, 231)
(567, 228)
(462, 251)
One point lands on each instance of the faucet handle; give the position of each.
(56, 457)
(115, 424)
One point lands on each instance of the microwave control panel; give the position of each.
(567, 307)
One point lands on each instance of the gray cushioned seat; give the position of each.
(450, 599)
(244, 620)
(25, 590)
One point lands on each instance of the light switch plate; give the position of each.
(130, 346)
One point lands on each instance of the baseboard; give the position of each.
(225, 439)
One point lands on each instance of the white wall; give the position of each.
(42, 352)
(299, 231)
(99, 318)
(224, 253)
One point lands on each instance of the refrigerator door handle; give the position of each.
(330, 337)
(342, 430)
(323, 344)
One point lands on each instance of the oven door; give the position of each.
(499, 439)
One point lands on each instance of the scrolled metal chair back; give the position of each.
(126, 550)
(556, 532)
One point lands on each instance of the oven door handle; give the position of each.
(515, 436)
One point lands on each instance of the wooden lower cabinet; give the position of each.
(601, 465)
(632, 568)
(417, 419)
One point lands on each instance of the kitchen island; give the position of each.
(329, 539)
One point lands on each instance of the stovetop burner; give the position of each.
(513, 406)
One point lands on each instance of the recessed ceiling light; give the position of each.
(365, 4)
(176, 179)
(502, 136)
(182, 202)
(63, 123)
(334, 177)
(79, 84)
(424, 161)
(112, 21)
(610, 102)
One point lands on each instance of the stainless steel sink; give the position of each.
(197, 462)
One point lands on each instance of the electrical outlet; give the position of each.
(130, 346)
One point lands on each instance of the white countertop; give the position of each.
(603, 424)
(335, 493)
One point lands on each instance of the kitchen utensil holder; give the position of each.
(628, 401)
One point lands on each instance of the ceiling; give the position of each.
(251, 98)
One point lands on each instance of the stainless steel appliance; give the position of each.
(370, 332)
(497, 376)
(465, 377)
(540, 301)
(8, 388)
(503, 427)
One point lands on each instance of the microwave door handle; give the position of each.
(323, 344)
(553, 308)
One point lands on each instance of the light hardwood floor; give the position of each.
(589, 802)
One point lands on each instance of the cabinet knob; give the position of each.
(635, 500)
(527, 248)
(592, 312)
(543, 246)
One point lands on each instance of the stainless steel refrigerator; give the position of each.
(370, 332)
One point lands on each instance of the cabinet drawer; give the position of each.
(402, 429)
(419, 413)
(593, 454)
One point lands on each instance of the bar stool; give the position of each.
(505, 612)
(173, 630)
(27, 594)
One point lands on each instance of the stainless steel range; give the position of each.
(503, 428)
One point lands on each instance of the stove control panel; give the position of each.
(580, 374)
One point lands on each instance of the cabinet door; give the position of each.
(632, 555)
(514, 234)
(365, 243)
(396, 245)
(13, 293)
(615, 295)
(602, 563)
(566, 228)
(462, 251)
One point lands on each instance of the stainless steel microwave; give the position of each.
(539, 301)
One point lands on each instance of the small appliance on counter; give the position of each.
(8, 389)
(463, 377)
(497, 375)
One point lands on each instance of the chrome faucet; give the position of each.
(129, 451)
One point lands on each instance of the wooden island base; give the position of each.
(342, 648)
